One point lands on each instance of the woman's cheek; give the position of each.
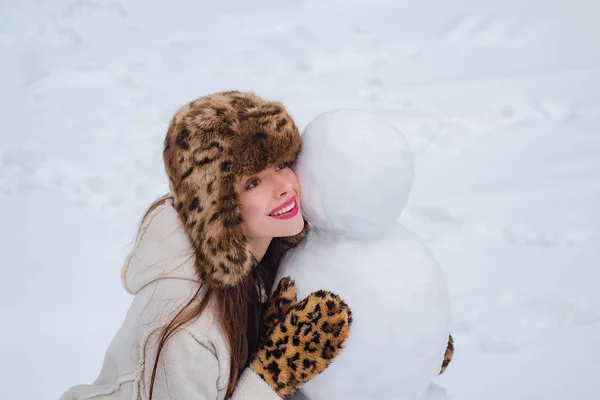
(254, 206)
(295, 182)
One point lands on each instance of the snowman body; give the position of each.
(399, 301)
(356, 173)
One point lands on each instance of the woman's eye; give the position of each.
(252, 184)
(282, 165)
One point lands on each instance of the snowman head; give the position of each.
(356, 171)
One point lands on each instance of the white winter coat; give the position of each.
(194, 364)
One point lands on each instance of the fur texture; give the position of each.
(210, 144)
(301, 339)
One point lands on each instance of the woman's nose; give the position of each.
(283, 187)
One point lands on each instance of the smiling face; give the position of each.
(270, 204)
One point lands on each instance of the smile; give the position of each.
(286, 210)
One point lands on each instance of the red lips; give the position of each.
(284, 205)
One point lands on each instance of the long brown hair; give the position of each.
(238, 309)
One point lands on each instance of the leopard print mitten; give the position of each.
(301, 339)
(448, 355)
(279, 303)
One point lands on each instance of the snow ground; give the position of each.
(499, 100)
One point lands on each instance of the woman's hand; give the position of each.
(301, 339)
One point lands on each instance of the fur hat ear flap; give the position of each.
(225, 256)
(209, 206)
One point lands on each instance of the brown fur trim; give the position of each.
(210, 144)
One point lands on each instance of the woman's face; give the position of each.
(271, 203)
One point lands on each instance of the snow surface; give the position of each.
(499, 100)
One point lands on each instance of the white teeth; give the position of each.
(286, 209)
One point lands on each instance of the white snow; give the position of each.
(356, 171)
(500, 102)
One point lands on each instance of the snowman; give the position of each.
(356, 172)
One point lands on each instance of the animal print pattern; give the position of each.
(448, 355)
(302, 338)
(279, 303)
(212, 142)
(284, 297)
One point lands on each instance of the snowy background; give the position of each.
(500, 101)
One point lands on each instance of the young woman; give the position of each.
(200, 326)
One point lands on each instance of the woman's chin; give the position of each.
(296, 225)
(300, 226)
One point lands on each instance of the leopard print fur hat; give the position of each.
(210, 144)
